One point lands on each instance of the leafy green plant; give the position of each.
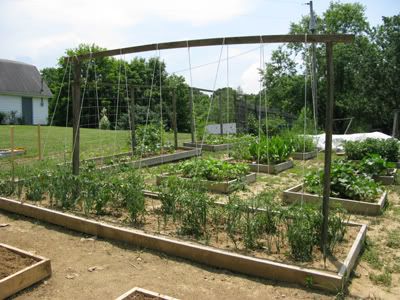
(35, 187)
(346, 182)
(211, 169)
(6, 187)
(274, 150)
(187, 202)
(388, 149)
(151, 139)
(302, 231)
(303, 143)
(130, 190)
(373, 165)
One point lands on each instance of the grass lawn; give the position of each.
(57, 141)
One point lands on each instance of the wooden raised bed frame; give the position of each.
(304, 155)
(24, 278)
(159, 159)
(295, 194)
(208, 147)
(199, 253)
(224, 187)
(272, 168)
(140, 291)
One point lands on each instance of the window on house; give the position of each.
(41, 102)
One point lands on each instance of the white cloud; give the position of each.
(250, 79)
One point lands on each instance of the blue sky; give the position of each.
(39, 31)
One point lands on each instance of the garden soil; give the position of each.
(88, 268)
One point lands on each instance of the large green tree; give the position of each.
(364, 70)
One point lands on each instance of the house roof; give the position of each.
(18, 78)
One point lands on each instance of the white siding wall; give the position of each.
(9, 103)
(40, 113)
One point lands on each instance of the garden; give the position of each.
(219, 201)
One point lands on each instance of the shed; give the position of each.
(23, 94)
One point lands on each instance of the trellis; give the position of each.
(329, 41)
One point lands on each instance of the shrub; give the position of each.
(388, 149)
(104, 121)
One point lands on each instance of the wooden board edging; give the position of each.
(208, 147)
(158, 160)
(26, 277)
(202, 254)
(271, 168)
(295, 194)
(304, 155)
(156, 296)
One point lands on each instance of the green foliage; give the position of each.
(188, 202)
(371, 256)
(35, 187)
(104, 122)
(303, 225)
(346, 182)
(373, 165)
(388, 149)
(6, 187)
(273, 150)
(211, 169)
(300, 143)
(130, 190)
(384, 278)
(393, 239)
(150, 139)
(274, 125)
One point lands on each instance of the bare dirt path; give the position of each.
(88, 268)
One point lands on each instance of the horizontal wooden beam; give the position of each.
(237, 40)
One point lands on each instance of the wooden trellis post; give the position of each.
(133, 122)
(76, 111)
(174, 119)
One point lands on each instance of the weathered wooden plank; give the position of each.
(203, 254)
(24, 278)
(237, 40)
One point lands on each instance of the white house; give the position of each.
(23, 93)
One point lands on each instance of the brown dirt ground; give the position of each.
(12, 262)
(117, 267)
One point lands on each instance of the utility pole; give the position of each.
(312, 28)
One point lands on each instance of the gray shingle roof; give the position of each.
(17, 78)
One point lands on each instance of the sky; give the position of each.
(39, 31)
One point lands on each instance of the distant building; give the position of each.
(23, 94)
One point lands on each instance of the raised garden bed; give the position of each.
(271, 168)
(332, 280)
(142, 294)
(388, 179)
(20, 269)
(304, 155)
(224, 187)
(295, 194)
(182, 153)
(208, 147)
(7, 152)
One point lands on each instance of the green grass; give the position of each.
(371, 256)
(393, 239)
(57, 144)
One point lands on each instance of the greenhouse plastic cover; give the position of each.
(338, 139)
